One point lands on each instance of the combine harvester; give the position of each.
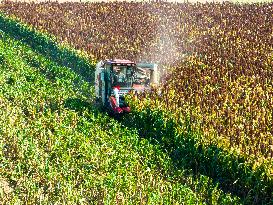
(115, 78)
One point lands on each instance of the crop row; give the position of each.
(221, 56)
(55, 147)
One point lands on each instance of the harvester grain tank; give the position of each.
(115, 78)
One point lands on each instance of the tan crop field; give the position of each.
(179, 1)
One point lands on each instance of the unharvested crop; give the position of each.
(221, 56)
(216, 62)
(56, 147)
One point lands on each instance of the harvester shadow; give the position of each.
(79, 105)
(48, 47)
(230, 172)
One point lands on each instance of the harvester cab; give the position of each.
(115, 78)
